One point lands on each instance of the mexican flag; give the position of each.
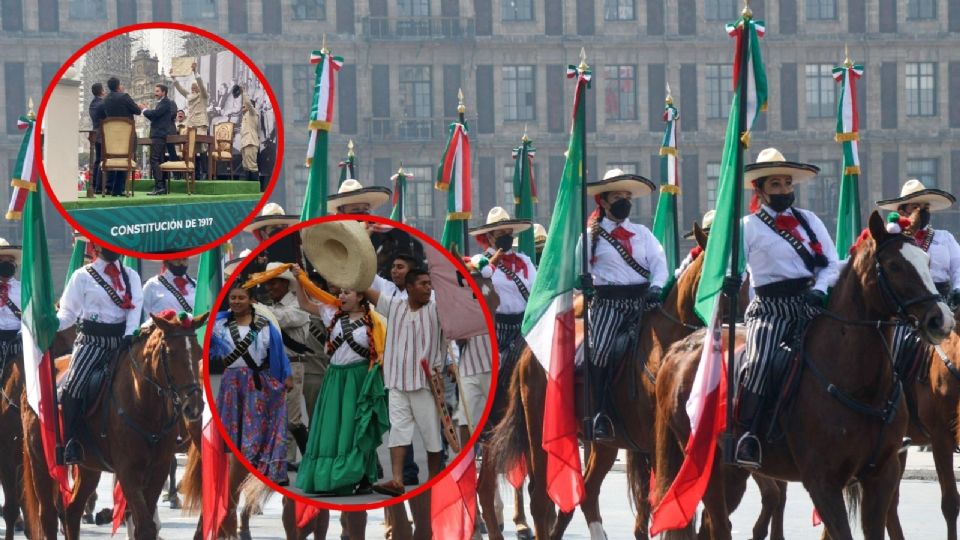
(548, 322)
(209, 283)
(524, 192)
(399, 195)
(321, 119)
(453, 501)
(453, 176)
(848, 134)
(665, 220)
(215, 471)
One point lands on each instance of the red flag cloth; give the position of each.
(119, 506)
(816, 518)
(453, 501)
(216, 487)
(623, 236)
(48, 439)
(305, 513)
(517, 473)
(707, 409)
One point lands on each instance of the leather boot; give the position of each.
(749, 452)
(70, 408)
(602, 425)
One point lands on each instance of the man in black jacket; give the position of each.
(96, 115)
(161, 123)
(118, 104)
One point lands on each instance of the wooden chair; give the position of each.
(119, 143)
(223, 147)
(185, 165)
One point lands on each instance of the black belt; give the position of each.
(943, 288)
(99, 329)
(508, 318)
(785, 288)
(621, 292)
(9, 335)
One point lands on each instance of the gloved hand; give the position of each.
(652, 297)
(955, 299)
(126, 343)
(816, 298)
(731, 286)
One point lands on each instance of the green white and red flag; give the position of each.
(548, 322)
(23, 170)
(399, 211)
(524, 192)
(848, 135)
(453, 177)
(321, 119)
(665, 220)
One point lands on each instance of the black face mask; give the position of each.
(621, 209)
(504, 242)
(923, 219)
(177, 270)
(7, 269)
(780, 201)
(108, 255)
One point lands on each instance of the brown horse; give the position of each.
(133, 430)
(845, 423)
(11, 446)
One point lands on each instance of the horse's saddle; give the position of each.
(96, 389)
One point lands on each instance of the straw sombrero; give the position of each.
(539, 236)
(915, 192)
(704, 224)
(272, 214)
(342, 253)
(771, 162)
(7, 249)
(617, 180)
(499, 219)
(352, 192)
(232, 264)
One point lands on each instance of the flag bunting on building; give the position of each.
(848, 135)
(524, 192)
(665, 220)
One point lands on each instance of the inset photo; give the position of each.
(159, 140)
(354, 375)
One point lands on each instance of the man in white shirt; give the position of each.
(629, 269)
(106, 299)
(196, 111)
(171, 289)
(11, 344)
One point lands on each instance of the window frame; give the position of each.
(516, 16)
(88, 7)
(929, 178)
(194, 16)
(722, 80)
(618, 7)
(614, 84)
(915, 6)
(713, 10)
(511, 97)
(915, 108)
(821, 79)
(814, 10)
(309, 5)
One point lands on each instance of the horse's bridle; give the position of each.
(890, 296)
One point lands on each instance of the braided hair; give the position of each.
(593, 223)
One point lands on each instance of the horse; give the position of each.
(886, 279)
(130, 431)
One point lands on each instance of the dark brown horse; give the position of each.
(133, 430)
(11, 445)
(846, 421)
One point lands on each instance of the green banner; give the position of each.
(163, 227)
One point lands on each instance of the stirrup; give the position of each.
(749, 462)
(602, 419)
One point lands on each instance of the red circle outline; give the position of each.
(264, 197)
(211, 401)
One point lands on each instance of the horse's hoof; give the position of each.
(175, 503)
(245, 535)
(18, 526)
(524, 534)
(88, 519)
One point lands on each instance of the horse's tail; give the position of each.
(509, 441)
(638, 478)
(853, 493)
(192, 483)
(255, 494)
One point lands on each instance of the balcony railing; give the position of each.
(410, 129)
(417, 28)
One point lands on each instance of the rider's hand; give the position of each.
(652, 297)
(816, 298)
(731, 286)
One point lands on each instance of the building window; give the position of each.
(719, 90)
(416, 101)
(199, 9)
(516, 10)
(821, 91)
(420, 192)
(309, 10)
(304, 77)
(713, 176)
(89, 10)
(414, 8)
(721, 10)
(298, 187)
(924, 170)
(620, 97)
(825, 193)
(518, 97)
(921, 85)
(508, 185)
(821, 10)
(618, 10)
(921, 9)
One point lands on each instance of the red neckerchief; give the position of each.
(114, 273)
(181, 283)
(514, 263)
(4, 292)
(623, 236)
(790, 224)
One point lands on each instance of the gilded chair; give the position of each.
(119, 142)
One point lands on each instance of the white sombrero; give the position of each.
(287, 274)
(771, 162)
(341, 252)
(617, 180)
(232, 264)
(7, 249)
(272, 214)
(539, 236)
(352, 192)
(499, 219)
(915, 192)
(704, 224)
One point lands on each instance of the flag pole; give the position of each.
(729, 442)
(586, 279)
(350, 158)
(461, 109)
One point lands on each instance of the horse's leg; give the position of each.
(949, 498)
(894, 529)
(726, 484)
(319, 526)
(878, 490)
(355, 525)
(541, 507)
(86, 484)
(152, 490)
(40, 509)
(776, 524)
(599, 464)
(141, 484)
(638, 480)
(487, 494)
(520, 516)
(237, 473)
(770, 499)
(9, 478)
(827, 498)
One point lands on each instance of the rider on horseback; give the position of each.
(106, 298)
(792, 262)
(629, 269)
(172, 289)
(11, 345)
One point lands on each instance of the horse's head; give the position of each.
(895, 276)
(689, 280)
(174, 344)
(488, 291)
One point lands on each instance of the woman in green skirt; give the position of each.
(350, 416)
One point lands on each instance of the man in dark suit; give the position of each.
(161, 125)
(96, 115)
(118, 104)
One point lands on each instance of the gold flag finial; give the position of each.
(350, 148)
(30, 114)
(669, 99)
(847, 63)
(746, 13)
(323, 45)
(583, 60)
(461, 108)
(400, 170)
(525, 138)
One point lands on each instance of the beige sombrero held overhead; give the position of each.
(705, 224)
(353, 192)
(617, 180)
(771, 162)
(272, 214)
(342, 253)
(499, 219)
(915, 192)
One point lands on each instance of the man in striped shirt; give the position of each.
(475, 367)
(413, 334)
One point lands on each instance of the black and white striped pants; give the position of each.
(768, 320)
(607, 317)
(90, 353)
(906, 343)
(10, 347)
(510, 344)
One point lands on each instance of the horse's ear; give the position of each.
(160, 322)
(878, 229)
(699, 235)
(201, 320)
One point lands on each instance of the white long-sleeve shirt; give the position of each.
(83, 298)
(259, 347)
(292, 320)
(609, 268)
(196, 103)
(9, 320)
(771, 258)
(156, 296)
(511, 299)
(945, 258)
(344, 355)
(387, 288)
